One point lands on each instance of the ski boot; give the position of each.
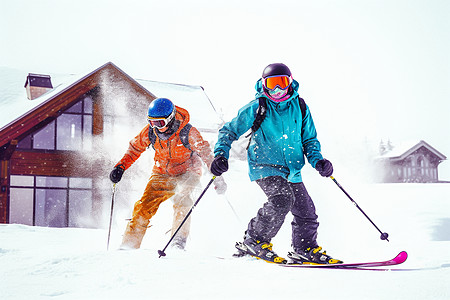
(258, 249)
(178, 243)
(311, 256)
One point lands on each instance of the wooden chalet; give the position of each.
(416, 162)
(55, 158)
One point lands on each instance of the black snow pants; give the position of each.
(284, 197)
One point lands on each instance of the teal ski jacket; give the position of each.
(279, 146)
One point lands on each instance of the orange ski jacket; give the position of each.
(171, 156)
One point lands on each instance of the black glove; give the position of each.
(324, 167)
(219, 165)
(116, 174)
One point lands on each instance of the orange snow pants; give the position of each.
(160, 188)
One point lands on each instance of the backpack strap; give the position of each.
(184, 135)
(151, 137)
(302, 107)
(260, 114)
(259, 118)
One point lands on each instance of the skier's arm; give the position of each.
(232, 130)
(200, 146)
(137, 145)
(311, 145)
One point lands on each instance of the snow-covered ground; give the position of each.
(73, 263)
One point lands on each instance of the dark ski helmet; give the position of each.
(161, 112)
(276, 82)
(276, 69)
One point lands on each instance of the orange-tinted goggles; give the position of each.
(282, 81)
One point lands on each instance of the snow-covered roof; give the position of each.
(405, 148)
(13, 97)
(14, 102)
(193, 98)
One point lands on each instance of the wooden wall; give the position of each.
(4, 209)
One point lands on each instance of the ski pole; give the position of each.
(161, 252)
(384, 235)
(232, 208)
(111, 215)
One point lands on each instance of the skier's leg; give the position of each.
(304, 225)
(304, 230)
(271, 216)
(134, 233)
(182, 203)
(159, 188)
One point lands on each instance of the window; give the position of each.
(421, 164)
(21, 200)
(44, 181)
(51, 201)
(72, 130)
(45, 138)
(69, 135)
(80, 207)
(51, 207)
(80, 199)
(21, 180)
(21, 206)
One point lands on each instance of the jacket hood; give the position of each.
(182, 115)
(260, 92)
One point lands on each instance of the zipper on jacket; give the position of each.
(170, 155)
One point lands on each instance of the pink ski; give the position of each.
(400, 258)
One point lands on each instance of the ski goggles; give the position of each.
(160, 122)
(282, 81)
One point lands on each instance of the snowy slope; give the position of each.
(71, 263)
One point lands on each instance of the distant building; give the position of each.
(56, 151)
(415, 162)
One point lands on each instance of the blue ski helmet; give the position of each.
(161, 112)
(160, 108)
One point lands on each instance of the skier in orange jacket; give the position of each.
(179, 150)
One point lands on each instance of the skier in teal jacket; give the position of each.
(285, 136)
(276, 155)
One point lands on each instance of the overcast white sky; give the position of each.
(367, 69)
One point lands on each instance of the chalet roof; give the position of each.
(404, 149)
(14, 104)
(13, 99)
(202, 112)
